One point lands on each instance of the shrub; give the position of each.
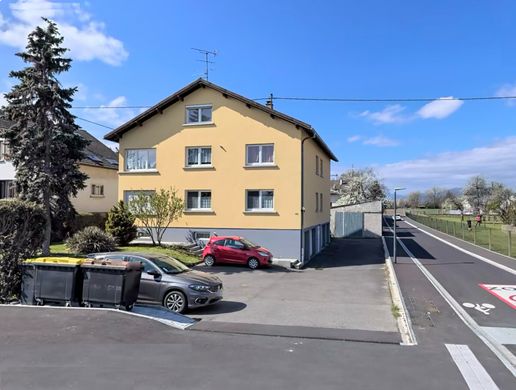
(21, 236)
(120, 223)
(91, 239)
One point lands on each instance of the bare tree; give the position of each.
(414, 199)
(156, 211)
(434, 198)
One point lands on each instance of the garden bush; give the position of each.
(91, 239)
(120, 223)
(21, 236)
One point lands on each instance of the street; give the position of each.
(444, 290)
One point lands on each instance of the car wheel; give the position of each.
(175, 301)
(209, 261)
(253, 263)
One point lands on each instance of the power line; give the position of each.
(344, 100)
(94, 123)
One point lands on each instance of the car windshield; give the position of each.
(169, 265)
(248, 243)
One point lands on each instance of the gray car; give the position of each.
(168, 282)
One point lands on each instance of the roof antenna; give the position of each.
(206, 60)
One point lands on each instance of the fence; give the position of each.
(493, 238)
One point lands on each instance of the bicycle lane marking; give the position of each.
(502, 352)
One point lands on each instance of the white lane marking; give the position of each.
(502, 335)
(493, 263)
(472, 371)
(404, 323)
(505, 356)
(481, 307)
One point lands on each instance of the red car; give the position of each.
(235, 250)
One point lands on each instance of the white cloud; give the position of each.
(390, 114)
(84, 36)
(396, 113)
(453, 169)
(3, 101)
(354, 138)
(439, 108)
(507, 90)
(109, 116)
(381, 141)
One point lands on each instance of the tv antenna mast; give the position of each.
(206, 60)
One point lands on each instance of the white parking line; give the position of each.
(505, 356)
(493, 263)
(473, 372)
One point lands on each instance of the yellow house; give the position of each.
(100, 164)
(242, 168)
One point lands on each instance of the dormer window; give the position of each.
(198, 114)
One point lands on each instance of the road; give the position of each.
(445, 291)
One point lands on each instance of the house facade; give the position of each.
(242, 169)
(100, 164)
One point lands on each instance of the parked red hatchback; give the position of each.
(235, 250)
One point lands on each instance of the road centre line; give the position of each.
(472, 371)
(493, 263)
(505, 356)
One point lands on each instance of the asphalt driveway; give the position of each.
(344, 287)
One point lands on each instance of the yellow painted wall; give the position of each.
(85, 202)
(234, 126)
(315, 183)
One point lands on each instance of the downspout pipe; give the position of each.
(301, 262)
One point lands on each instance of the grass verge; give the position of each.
(176, 252)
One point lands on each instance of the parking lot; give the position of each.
(344, 287)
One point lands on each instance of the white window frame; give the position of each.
(198, 208)
(199, 164)
(260, 163)
(260, 195)
(199, 107)
(126, 169)
(93, 192)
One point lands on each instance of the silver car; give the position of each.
(168, 282)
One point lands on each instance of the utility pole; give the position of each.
(206, 60)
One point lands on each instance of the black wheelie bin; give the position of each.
(110, 283)
(50, 280)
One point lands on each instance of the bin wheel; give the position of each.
(39, 302)
(117, 307)
(87, 304)
(68, 304)
(129, 307)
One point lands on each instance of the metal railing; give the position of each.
(489, 237)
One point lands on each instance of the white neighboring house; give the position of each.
(100, 164)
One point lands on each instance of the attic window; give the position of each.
(198, 114)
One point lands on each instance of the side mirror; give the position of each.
(154, 273)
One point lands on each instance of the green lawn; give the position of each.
(178, 253)
(489, 236)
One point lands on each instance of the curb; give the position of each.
(408, 336)
(171, 323)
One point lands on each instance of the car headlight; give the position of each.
(264, 254)
(199, 287)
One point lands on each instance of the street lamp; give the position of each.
(394, 219)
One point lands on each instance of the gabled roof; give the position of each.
(201, 83)
(96, 154)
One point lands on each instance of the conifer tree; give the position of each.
(46, 145)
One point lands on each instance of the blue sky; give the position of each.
(138, 52)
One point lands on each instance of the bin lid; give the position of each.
(55, 260)
(111, 264)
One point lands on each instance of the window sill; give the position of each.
(146, 172)
(269, 212)
(199, 167)
(199, 211)
(97, 196)
(199, 124)
(261, 166)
